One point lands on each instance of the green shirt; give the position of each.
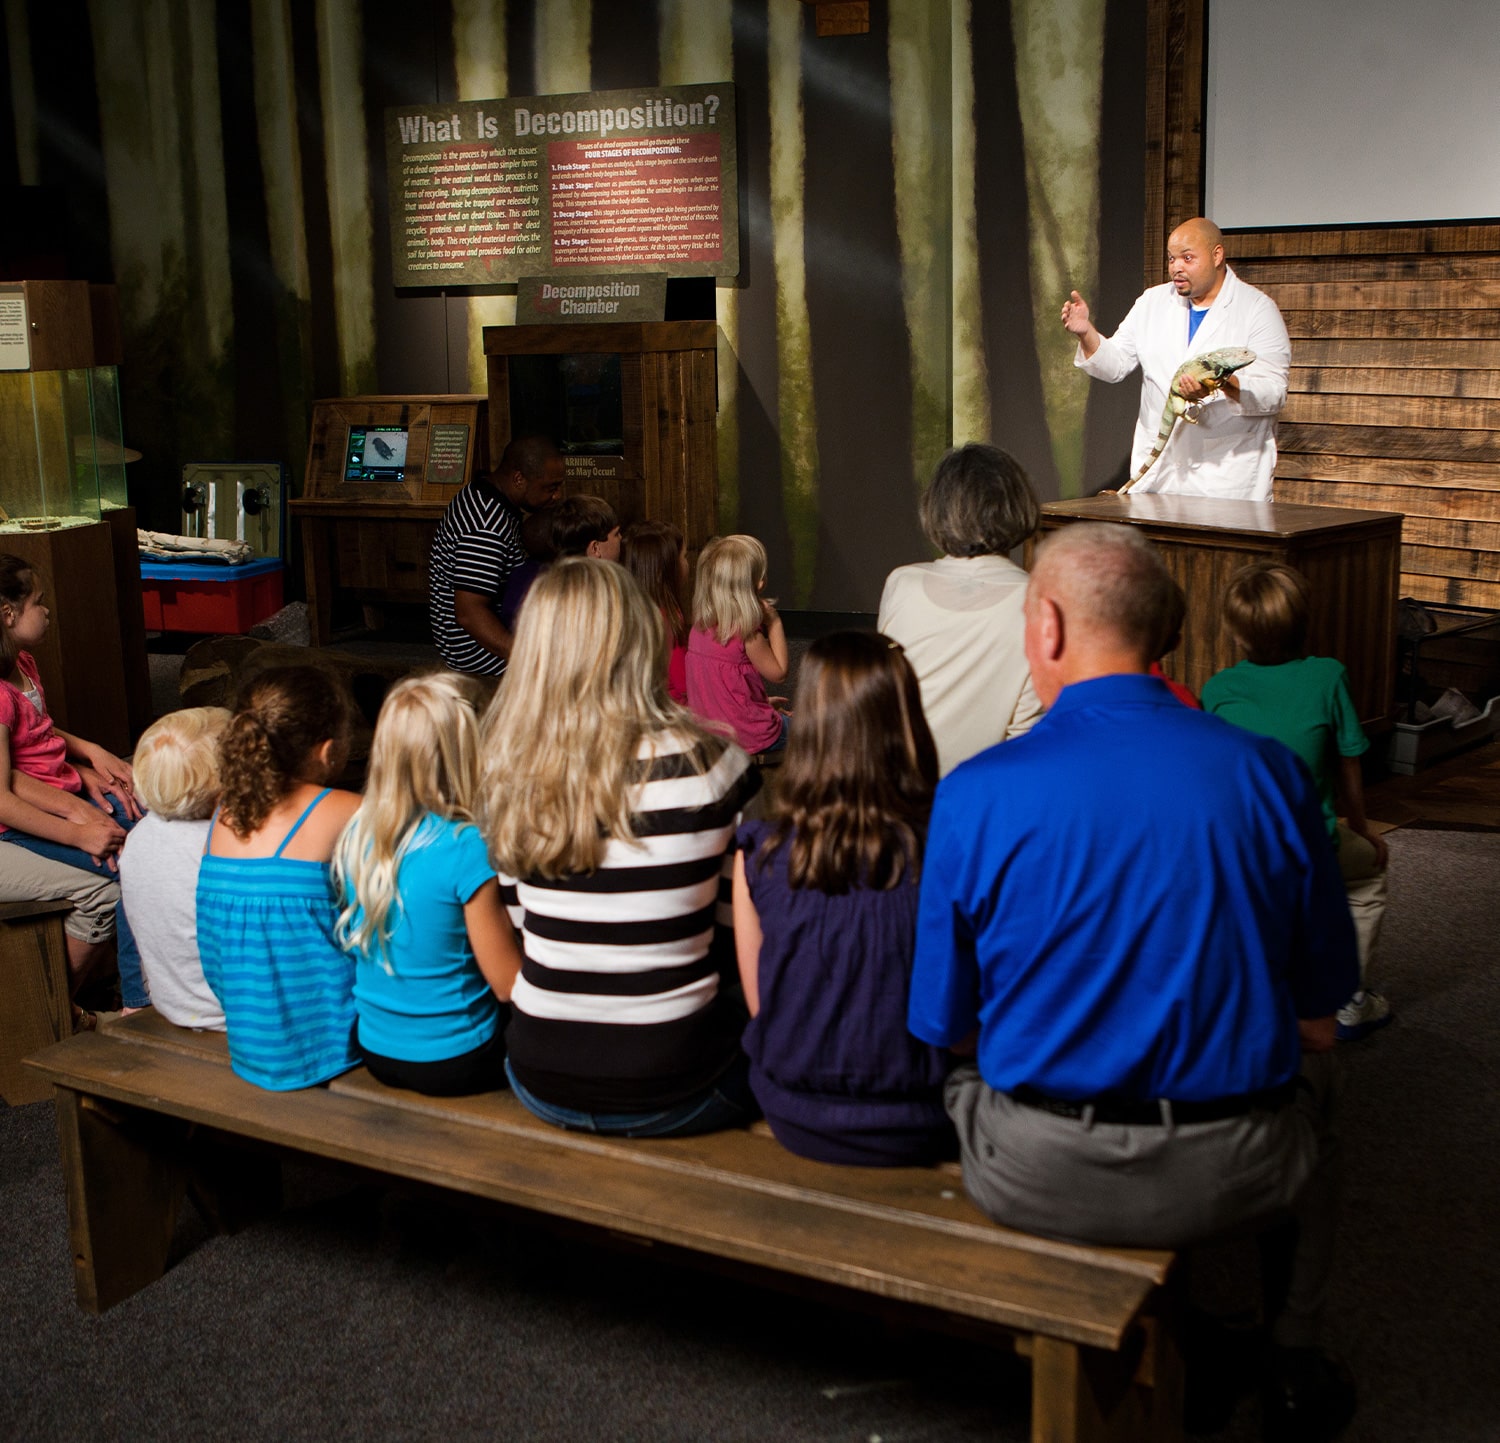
(1305, 705)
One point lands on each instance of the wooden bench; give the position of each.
(34, 1005)
(145, 1109)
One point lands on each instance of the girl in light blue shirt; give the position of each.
(434, 952)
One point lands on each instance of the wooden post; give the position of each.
(1086, 1395)
(124, 1183)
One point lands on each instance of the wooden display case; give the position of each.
(366, 532)
(1352, 561)
(665, 466)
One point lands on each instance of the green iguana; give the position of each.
(1209, 370)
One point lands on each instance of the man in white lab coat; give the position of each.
(1231, 452)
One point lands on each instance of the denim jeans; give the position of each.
(132, 985)
(728, 1102)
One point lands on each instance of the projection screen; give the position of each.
(1320, 112)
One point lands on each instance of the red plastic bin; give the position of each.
(220, 600)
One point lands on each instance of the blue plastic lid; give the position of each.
(210, 572)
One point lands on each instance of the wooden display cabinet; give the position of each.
(1351, 559)
(664, 463)
(50, 509)
(367, 530)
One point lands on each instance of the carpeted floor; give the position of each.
(360, 1313)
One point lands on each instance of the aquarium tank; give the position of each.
(49, 467)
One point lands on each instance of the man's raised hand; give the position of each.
(1075, 315)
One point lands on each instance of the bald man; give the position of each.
(1204, 306)
(1131, 915)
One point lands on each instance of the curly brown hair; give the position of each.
(861, 767)
(280, 718)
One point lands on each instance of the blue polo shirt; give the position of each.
(1135, 899)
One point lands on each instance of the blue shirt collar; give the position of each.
(1119, 688)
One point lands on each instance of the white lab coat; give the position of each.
(1231, 452)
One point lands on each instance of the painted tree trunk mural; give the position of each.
(795, 406)
(561, 59)
(697, 45)
(22, 92)
(346, 162)
(1059, 78)
(164, 168)
(286, 223)
(480, 60)
(921, 112)
(971, 381)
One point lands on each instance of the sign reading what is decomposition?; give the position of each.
(487, 191)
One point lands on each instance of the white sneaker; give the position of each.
(1362, 1014)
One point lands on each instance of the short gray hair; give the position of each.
(1112, 579)
(980, 503)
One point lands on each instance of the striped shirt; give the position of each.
(477, 546)
(619, 1007)
(265, 936)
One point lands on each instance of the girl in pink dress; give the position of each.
(737, 645)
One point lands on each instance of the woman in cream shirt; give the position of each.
(960, 618)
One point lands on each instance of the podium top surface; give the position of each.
(1209, 514)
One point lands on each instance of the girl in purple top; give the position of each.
(737, 644)
(825, 907)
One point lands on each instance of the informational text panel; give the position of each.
(488, 191)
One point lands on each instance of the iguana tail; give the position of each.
(1170, 414)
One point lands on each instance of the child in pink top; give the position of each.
(737, 644)
(61, 797)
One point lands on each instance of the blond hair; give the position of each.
(727, 600)
(586, 685)
(424, 758)
(176, 763)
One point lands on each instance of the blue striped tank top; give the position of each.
(265, 934)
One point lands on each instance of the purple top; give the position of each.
(829, 1050)
(724, 686)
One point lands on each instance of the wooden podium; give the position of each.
(1351, 559)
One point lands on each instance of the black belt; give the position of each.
(1124, 1112)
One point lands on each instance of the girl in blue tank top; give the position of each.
(434, 952)
(266, 908)
(825, 911)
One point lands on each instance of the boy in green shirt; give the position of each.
(1304, 702)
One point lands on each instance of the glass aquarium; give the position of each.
(49, 469)
(110, 450)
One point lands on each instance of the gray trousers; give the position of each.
(1166, 1186)
(27, 877)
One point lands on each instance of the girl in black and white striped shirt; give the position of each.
(611, 815)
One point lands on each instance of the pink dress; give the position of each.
(723, 686)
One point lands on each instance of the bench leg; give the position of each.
(1087, 1395)
(34, 1005)
(124, 1182)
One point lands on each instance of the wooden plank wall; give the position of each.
(1394, 402)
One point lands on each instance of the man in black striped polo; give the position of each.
(478, 545)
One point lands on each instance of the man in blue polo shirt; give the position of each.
(1134, 912)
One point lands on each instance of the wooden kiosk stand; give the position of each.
(1352, 561)
(631, 404)
(380, 471)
